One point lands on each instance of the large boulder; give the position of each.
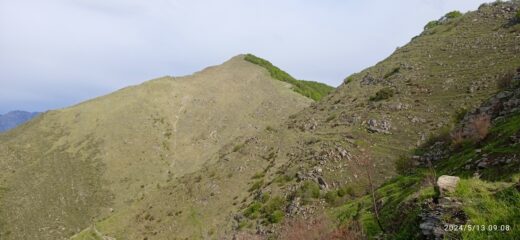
(447, 184)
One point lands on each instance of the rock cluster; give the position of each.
(382, 126)
(436, 213)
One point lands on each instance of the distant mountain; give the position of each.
(12, 119)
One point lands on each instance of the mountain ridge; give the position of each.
(116, 148)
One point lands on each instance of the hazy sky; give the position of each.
(54, 53)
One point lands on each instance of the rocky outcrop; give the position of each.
(376, 126)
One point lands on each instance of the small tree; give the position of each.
(366, 167)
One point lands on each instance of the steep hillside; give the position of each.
(12, 119)
(318, 158)
(69, 167)
(481, 153)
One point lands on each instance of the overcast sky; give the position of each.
(55, 53)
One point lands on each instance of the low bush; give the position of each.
(404, 165)
(383, 94)
(453, 14)
(253, 211)
(276, 217)
(308, 191)
(331, 197)
(256, 185)
(431, 24)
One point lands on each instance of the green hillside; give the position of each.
(70, 167)
(310, 89)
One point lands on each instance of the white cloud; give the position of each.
(58, 52)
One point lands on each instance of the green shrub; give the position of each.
(253, 211)
(431, 25)
(275, 204)
(282, 179)
(276, 217)
(453, 14)
(404, 165)
(257, 185)
(331, 197)
(308, 191)
(310, 89)
(383, 94)
(265, 197)
(348, 80)
(517, 16)
(346, 190)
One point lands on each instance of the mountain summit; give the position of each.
(78, 163)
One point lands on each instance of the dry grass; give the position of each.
(457, 137)
(476, 130)
(481, 125)
(319, 228)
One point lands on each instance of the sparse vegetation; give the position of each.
(391, 73)
(256, 185)
(404, 165)
(319, 228)
(383, 94)
(237, 147)
(308, 191)
(504, 81)
(310, 89)
(448, 16)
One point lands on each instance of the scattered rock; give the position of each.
(322, 183)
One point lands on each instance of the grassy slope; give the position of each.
(488, 201)
(310, 89)
(435, 72)
(70, 166)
